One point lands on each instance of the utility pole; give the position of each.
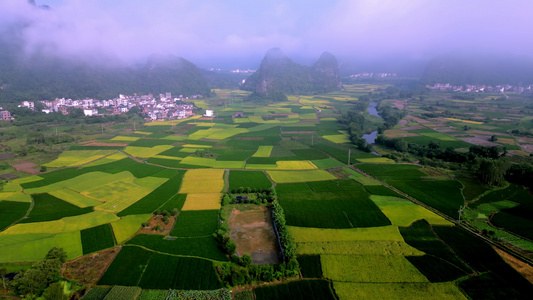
(312, 139)
(56, 130)
(349, 153)
(460, 211)
(102, 127)
(133, 126)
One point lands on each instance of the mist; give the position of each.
(238, 33)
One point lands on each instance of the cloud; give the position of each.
(131, 30)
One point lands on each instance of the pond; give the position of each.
(371, 137)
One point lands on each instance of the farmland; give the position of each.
(362, 225)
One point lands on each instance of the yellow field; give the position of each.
(464, 121)
(226, 133)
(196, 146)
(263, 151)
(337, 138)
(67, 224)
(506, 141)
(173, 122)
(202, 181)
(120, 194)
(300, 176)
(77, 157)
(377, 160)
(128, 226)
(12, 187)
(295, 165)
(27, 179)
(395, 291)
(125, 138)
(107, 159)
(75, 198)
(204, 201)
(15, 197)
(167, 157)
(384, 233)
(146, 152)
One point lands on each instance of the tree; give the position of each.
(246, 260)
(57, 253)
(492, 171)
(3, 273)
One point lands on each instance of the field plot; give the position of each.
(184, 273)
(156, 198)
(195, 223)
(203, 181)
(299, 176)
(198, 161)
(48, 208)
(203, 201)
(296, 290)
(97, 238)
(127, 268)
(125, 138)
(402, 212)
(416, 291)
(107, 159)
(33, 247)
(78, 157)
(146, 152)
(331, 207)
(385, 233)
(263, 151)
(310, 266)
(205, 247)
(357, 247)
(74, 198)
(123, 292)
(370, 268)
(127, 226)
(15, 197)
(67, 224)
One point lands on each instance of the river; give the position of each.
(371, 137)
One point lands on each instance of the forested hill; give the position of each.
(43, 77)
(463, 68)
(278, 74)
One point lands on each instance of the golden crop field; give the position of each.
(385, 233)
(203, 201)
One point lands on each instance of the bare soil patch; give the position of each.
(6, 155)
(412, 128)
(165, 229)
(525, 140)
(88, 269)
(8, 176)
(479, 141)
(403, 122)
(522, 267)
(251, 229)
(483, 132)
(27, 167)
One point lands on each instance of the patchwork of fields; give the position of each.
(354, 236)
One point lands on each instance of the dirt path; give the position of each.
(522, 267)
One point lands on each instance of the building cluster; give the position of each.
(480, 88)
(164, 107)
(373, 75)
(5, 115)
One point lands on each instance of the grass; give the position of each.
(299, 176)
(203, 201)
(123, 293)
(385, 233)
(15, 197)
(195, 223)
(370, 268)
(204, 247)
(127, 226)
(97, 238)
(445, 291)
(48, 208)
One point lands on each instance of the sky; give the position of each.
(218, 30)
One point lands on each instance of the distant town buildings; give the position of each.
(5, 115)
(477, 88)
(165, 107)
(373, 75)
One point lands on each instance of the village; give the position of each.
(164, 107)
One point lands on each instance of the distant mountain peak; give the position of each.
(278, 74)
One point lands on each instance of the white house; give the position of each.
(209, 113)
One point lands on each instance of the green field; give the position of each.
(195, 223)
(301, 289)
(251, 179)
(97, 238)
